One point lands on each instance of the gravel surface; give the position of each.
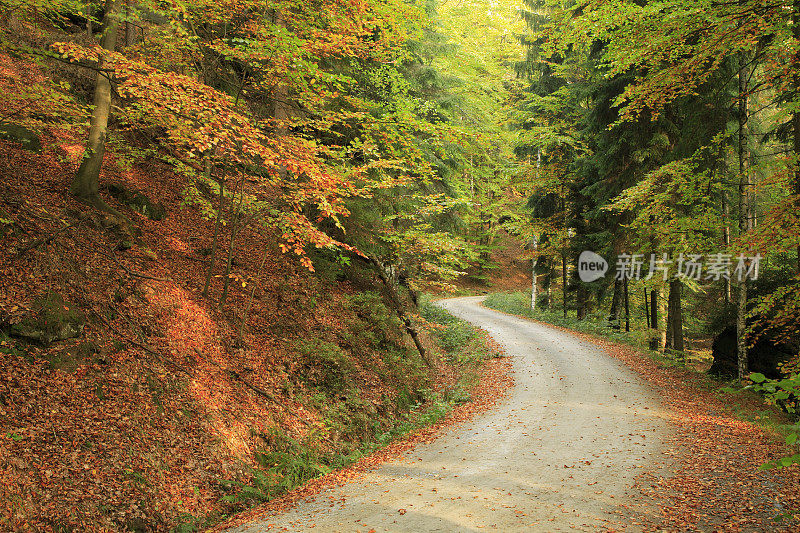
(559, 453)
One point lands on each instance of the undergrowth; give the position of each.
(353, 426)
(461, 342)
(596, 323)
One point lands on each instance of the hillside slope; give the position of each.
(149, 415)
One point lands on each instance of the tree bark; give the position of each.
(564, 282)
(240, 333)
(217, 224)
(796, 115)
(236, 216)
(89, 28)
(726, 239)
(677, 327)
(533, 276)
(582, 302)
(654, 296)
(796, 148)
(627, 304)
(86, 183)
(128, 31)
(397, 303)
(744, 218)
(646, 308)
(280, 106)
(549, 288)
(613, 313)
(675, 318)
(670, 323)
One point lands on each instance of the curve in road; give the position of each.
(559, 453)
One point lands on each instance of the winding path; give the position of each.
(560, 453)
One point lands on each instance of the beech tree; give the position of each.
(86, 183)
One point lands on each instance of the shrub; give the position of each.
(328, 367)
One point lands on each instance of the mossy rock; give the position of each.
(51, 319)
(765, 355)
(29, 140)
(140, 525)
(137, 201)
(69, 359)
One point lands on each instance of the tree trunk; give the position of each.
(677, 326)
(397, 303)
(280, 103)
(726, 239)
(240, 334)
(89, 28)
(627, 303)
(402, 280)
(744, 217)
(235, 218)
(549, 282)
(796, 116)
(533, 285)
(582, 300)
(564, 267)
(654, 296)
(613, 314)
(670, 324)
(796, 148)
(128, 31)
(675, 318)
(217, 224)
(533, 277)
(646, 308)
(86, 183)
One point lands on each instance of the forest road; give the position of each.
(559, 453)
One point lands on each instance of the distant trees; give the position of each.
(674, 108)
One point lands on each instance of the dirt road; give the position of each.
(560, 453)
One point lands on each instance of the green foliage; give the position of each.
(136, 477)
(786, 393)
(51, 319)
(435, 314)
(9, 347)
(463, 343)
(519, 303)
(291, 462)
(456, 335)
(285, 465)
(375, 321)
(188, 523)
(261, 487)
(328, 367)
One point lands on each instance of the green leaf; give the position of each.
(791, 438)
(758, 377)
